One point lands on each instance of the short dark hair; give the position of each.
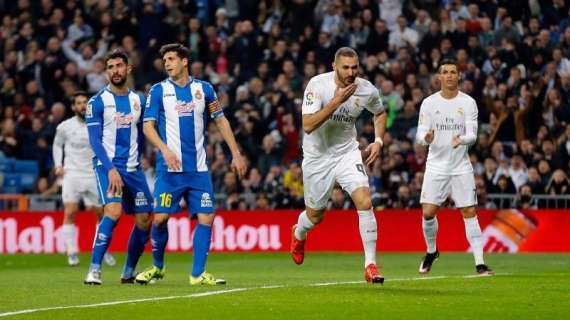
(345, 52)
(78, 94)
(181, 51)
(447, 61)
(115, 54)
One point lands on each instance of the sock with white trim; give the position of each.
(368, 234)
(430, 233)
(303, 226)
(473, 233)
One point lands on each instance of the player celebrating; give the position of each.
(448, 125)
(331, 104)
(180, 106)
(79, 184)
(114, 120)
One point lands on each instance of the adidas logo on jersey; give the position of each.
(206, 201)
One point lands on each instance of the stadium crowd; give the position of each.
(513, 55)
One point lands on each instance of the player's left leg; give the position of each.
(135, 248)
(464, 195)
(92, 203)
(201, 201)
(368, 233)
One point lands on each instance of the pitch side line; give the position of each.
(219, 292)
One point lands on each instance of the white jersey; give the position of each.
(71, 136)
(337, 135)
(448, 118)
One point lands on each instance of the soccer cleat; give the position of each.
(372, 275)
(297, 247)
(428, 261)
(93, 277)
(206, 279)
(150, 274)
(109, 259)
(484, 270)
(73, 260)
(127, 280)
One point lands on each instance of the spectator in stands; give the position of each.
(524, 198)
(338, 200)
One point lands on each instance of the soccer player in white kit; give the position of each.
(332, 103)
(448, 125)
(72, 156)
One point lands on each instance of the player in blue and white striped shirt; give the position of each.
(182, 106)
(114, 121)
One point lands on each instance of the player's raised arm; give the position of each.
(153, 104)
(311, 101)
(424, 134)
(57, 150)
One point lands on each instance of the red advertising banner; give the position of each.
(399, 230)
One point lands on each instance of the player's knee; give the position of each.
(429, 213)
(364, 204)
(468, 212)
(316, 216)
(160, 220)
(143, 221)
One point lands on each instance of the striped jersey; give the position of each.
(119, 118)
(182, 113)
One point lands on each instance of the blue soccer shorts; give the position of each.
(195, 187)
(136, 196)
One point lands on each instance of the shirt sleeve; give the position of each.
(311, 99)
(94, 119)
(471, 125)
(153, 103)
(212, 102)
(374, 103)
(424, 124)
(57, 149)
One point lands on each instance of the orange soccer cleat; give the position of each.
(372, 275)
(297, 247)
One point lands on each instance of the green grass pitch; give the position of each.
(271, 286)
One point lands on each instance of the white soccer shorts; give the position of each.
(437, 187)
(80, 188)
(320, 175)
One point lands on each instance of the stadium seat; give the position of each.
(6, 165)
(28, 171)
(26, 166)
(12, 183)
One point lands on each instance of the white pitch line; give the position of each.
(218, 292)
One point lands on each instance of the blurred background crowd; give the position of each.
(513, 55)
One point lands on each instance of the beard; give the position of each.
(346, 80)
(120, 82)
(80, 114)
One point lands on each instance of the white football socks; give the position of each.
(68, 231)
(368, 234)
(303, 226)
(430, 233)
(473, 232)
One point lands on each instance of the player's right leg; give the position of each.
(435, 189)
(90, 198)
(307, 220)
(70, 232)
(111, 213)
(70, 196)
(167, 197)
(318, 181)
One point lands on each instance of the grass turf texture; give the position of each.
(529, 286)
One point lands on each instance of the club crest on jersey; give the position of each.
(123, 120)
(140, 199)
(460, 111)
(184, 108)
(198, 95)
(309, 98)
(206, 201)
